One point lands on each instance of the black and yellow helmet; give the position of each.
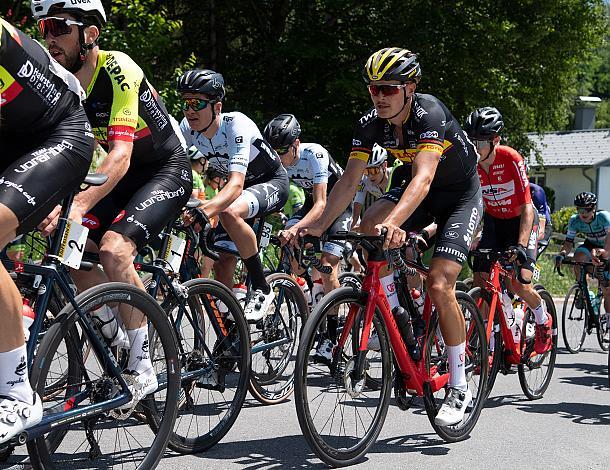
(392, 63)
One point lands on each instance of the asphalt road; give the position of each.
(568, 428)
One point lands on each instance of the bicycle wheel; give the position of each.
(574, 319)
(109, 439)
(350, 279)
(536, 370)
(215, 360)
(272, 377)
(476, 367)
(603, 332)
(495, 359)
(339, 415)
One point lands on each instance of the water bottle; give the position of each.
(305, 288)
(317, 292)
(509, 312)
(403, 322)
(240, 291)
(28, 318)
(517, 326)
(595, 301)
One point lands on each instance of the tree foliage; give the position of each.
(305, 56)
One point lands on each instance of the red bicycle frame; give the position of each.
(414, 373)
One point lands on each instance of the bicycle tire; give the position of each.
(277, 383)
(537, 392)
(330, 453)
(603, 329)
(193, 357)
(350, 279)
(572, 322)
(495, 360)
(41, 450)
(476, 366)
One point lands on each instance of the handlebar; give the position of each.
(493, 256)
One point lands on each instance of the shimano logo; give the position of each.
(461, 257)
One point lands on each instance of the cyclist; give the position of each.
(437, 180)
(149, 177)
(44, 136)
(311, 167)
(594, 225)
(198, 165)
(545, 229)
(257, 183)
(296, 199)
(510, 221)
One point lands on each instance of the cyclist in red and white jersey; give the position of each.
(510, 221)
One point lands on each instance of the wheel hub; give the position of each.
(353, 387)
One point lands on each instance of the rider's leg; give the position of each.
(224, 269)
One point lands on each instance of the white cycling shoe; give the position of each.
(17, 416)
(258, 305)
(139, 385)
(454, 407)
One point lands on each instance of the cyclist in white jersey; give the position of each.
(257, 183)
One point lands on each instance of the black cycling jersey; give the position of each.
(36, 92)
(122, 105)
(430, 126)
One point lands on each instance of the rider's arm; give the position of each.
(343, 192)
(542, 226)
(225, 197)
(525, 226)
(356, 215)
(568, 244)
(319, 203)
(424, 168)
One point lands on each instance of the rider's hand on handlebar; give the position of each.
(599, 256)
(422, 241)
(519, 255)
(395, 236)
(314, 230)
(289, 235)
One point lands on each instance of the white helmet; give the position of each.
(378, 156)
(193, 153)
(91, 10)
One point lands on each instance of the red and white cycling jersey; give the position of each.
(506, 187)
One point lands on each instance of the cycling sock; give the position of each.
(139, 356)
(457, 372)
(390, 290)
(331, 322)
(540, 313)
(14, 382)
(255, 268)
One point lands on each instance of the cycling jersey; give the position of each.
(366, 186)
(539, 201)
(237, 146)
(505, 187)
(594, 232)
(430, 126)
(296, 199)
(197, 181)
(36, 92)
(315, 166)
(122, 105)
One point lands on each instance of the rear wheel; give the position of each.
(603, 332)
(536, 370)
(574, 319)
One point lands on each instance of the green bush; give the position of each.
(561, 218)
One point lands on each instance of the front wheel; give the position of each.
(536, 370)
(476, 366)
(339, 414)
(603, 331)
(574, 319)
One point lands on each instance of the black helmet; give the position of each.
(585, 199)
(484, 123)
(207, 82)
(282, 131)
(392, 63)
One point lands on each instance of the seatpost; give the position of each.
(61, 225)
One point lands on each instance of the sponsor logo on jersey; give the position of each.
(372, 114)
(429, 135)
(153, 109)
(19, 188)
(119, 217)
(472, 225)
(158, 196)
(91, 222)
(131, 219)
(419, 111)
(116, 73)
(498, 191)
(451, 235)
(356, 142)
(39, 84)
(239, 139)
(461, 257)
(43, 155)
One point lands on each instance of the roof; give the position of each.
(576, 148)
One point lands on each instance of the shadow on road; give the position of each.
(595, 375)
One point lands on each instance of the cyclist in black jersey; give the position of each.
(44, 136)
(149, 176)
(256, 185)
(438, 180)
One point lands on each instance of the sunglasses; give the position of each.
(372, 171)
(283, 150)
(56, 26)
(585, 210)
(387, 90)
(481, 144)
(196, 104)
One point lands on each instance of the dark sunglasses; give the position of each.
(372, 171)
(386, 89)
(283, 150)
(56, 26)
(481, 144)
(196, 104)
(585, 210)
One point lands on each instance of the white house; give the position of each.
(574, 161)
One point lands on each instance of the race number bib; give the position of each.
(175, 251)
(266, 235)
(536, 273)
(73, 244)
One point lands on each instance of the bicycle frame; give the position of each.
(416, 377)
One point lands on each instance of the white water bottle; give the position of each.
(317, 292)
(509, 312)
(28, 318)
(517, 325)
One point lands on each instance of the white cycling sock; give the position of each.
(540, 313)
(139, 356)
(390, 290)
(457, 372)
(14, 381)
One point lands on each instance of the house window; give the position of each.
(538, 178)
